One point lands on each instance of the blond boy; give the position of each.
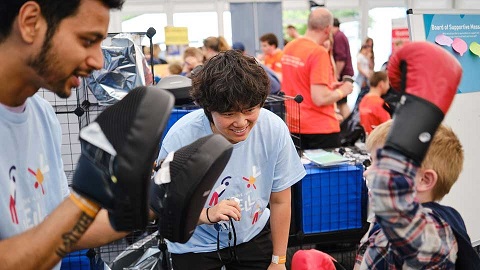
(435, 235)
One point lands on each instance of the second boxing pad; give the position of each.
(183, 182)
(118, 152)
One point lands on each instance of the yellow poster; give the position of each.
(176, 35)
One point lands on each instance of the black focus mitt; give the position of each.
(183, 182)
(118, 152)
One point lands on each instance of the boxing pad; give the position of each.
(183, 182)
(427, 77)
(118, 153)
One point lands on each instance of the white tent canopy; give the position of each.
(169, 8)
(212, 17)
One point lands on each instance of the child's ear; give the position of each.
(428, 180)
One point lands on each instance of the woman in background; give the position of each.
(364, 71)
(213, 45)
(369, 43)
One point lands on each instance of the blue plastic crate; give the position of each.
(331, 199)
(77, 260)
(176, 114)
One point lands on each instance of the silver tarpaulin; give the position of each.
(124, 69)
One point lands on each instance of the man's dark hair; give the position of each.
(54, 11)
(229, 82)
(270, 38)
(336, 22)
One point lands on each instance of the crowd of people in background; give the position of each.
(271, 57)
(340, 71)
(251, 200)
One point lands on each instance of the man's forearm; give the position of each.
(323, 96)
(99, 233)
(339, 68)
(52, 239)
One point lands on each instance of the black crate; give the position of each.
(287, 108)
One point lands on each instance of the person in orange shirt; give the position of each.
(292, 32)
(307, 70)
(371, 108)
(272, 55)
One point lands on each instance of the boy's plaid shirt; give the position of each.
(412, 237)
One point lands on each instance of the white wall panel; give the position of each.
(135, 7)
(467, 4)
(295, 4)
(335, 4)
(430, 4)
(194, 6)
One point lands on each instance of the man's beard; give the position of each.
(43, 64)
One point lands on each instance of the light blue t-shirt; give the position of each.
(265, 162)
(32, 179)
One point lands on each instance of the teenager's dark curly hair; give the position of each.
(54, 11)
(229, 81)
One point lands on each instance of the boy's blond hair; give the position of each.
(192, 51)
(445, 155)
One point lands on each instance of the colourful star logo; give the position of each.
(251, 181)
(39, 174)
(253, 178)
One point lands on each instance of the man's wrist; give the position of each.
(279, 259)
(340, 93)
(87, 206)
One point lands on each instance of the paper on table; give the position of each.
(324, 158)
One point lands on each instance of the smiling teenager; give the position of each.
(234, 229)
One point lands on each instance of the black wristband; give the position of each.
(207, 216)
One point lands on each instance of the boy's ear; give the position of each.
(427, 181)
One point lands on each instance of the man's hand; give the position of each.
(343, 88)
(336, 85)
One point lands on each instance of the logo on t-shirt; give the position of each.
(13, 194)
(39, 173)
(256, 211)
(253, 178)
(217, 193)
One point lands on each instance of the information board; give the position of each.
(458, 31)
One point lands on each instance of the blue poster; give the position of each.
(460, 35)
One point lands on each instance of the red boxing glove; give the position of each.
(432, 73)
(312, 260)
(428, 77)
